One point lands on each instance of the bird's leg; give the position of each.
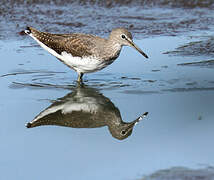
(80, 75)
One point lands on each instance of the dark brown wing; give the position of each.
(78, 45)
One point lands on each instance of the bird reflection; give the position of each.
(86, 107)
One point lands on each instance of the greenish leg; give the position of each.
(80, 75)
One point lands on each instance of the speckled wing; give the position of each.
(78, 45)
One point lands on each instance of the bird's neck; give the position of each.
(113, 48)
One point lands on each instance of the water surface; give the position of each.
(176, 89)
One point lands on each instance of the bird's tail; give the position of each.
(27, 31)
(42, 37)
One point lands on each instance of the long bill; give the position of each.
(136, 121)
(137, 48)
(140, 118)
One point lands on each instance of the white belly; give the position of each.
(85, 64)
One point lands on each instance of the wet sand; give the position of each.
(181, 173)
(144, 18)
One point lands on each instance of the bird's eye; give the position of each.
(123, 36)
(123, 132)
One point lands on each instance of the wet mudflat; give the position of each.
(175, 85)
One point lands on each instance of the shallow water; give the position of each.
(178, 130)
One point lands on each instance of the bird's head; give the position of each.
(123, 37)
